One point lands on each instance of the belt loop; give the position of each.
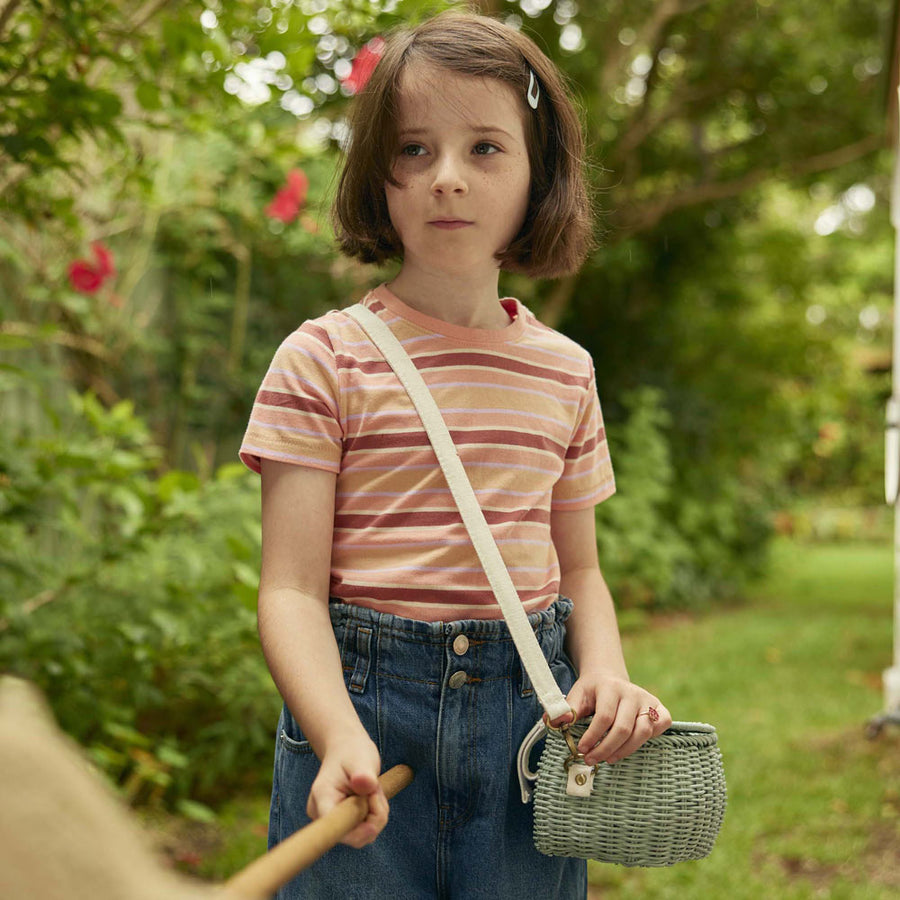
(526, 689)
(362, 658)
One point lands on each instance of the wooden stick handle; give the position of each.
(265, 875)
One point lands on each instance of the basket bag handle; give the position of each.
(545, 686)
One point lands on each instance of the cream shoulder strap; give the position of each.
(548, 692)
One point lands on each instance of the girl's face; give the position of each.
(462, 163)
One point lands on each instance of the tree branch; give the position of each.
(244, 258)
(145, 14)
(36, 602)
(643, 217)
(642, 126)
(31, 59)
(6, 13)
(663, 13)
(88, 345)
(141, 18)
(642, 122)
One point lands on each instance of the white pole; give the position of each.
(892, 446)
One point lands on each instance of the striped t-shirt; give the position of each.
(521, 405)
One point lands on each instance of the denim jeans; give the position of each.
(449, 699)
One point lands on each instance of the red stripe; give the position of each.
(318, 333)
(435, 518)
(378, 366)
(408, 439)
(482, 360)
(574, 452)
(366, 366)
(295, 402)
(396, 440)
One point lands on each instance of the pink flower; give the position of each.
(364, 65)
(86, 277)
(290, 198)
(104, 259)
(283, 207)
(298, 184)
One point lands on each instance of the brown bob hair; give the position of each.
(556, 234)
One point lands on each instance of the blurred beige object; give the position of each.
(64, 835)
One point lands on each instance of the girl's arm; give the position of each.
(298, 641)
(592, 641)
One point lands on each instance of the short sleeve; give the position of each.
(587, 477)
(296, 415)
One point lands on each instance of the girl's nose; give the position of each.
(449, 177)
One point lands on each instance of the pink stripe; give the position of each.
(249, 451)
(604, 492)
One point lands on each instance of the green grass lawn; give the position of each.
(790, 680)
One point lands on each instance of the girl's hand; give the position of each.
(621, 723)
(347, 772)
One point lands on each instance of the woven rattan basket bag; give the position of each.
(662, 804)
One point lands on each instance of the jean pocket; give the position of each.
(292, 745)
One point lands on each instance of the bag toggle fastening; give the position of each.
(581, 779)
(580, 782)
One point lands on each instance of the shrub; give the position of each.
(130, 600)
(666, 540)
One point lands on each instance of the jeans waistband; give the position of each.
(345, 615)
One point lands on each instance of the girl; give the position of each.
(376, 621)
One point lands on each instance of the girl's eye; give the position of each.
(484, 149)
(412, 150)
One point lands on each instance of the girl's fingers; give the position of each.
(601, 722)
(664, 721)
(578, 701)
(321, 800)
(621, 718)
(604, 707)
(618, 734)
(641, 733)
(632, 728)
(367, 831)
(325, 795)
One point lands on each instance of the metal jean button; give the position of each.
(460, 645)
(458, 679)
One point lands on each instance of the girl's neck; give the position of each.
(471, 303)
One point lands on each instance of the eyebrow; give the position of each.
(478, 129)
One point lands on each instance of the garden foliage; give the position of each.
(129, 597)
(165, 174)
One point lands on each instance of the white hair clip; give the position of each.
(534, 91)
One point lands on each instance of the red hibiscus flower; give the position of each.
(104, 260)
(364, 65)
(88, 277)
(290, 198)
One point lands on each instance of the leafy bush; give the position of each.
(667, 540)
(130, 599)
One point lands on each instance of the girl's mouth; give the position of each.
(450, 224)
